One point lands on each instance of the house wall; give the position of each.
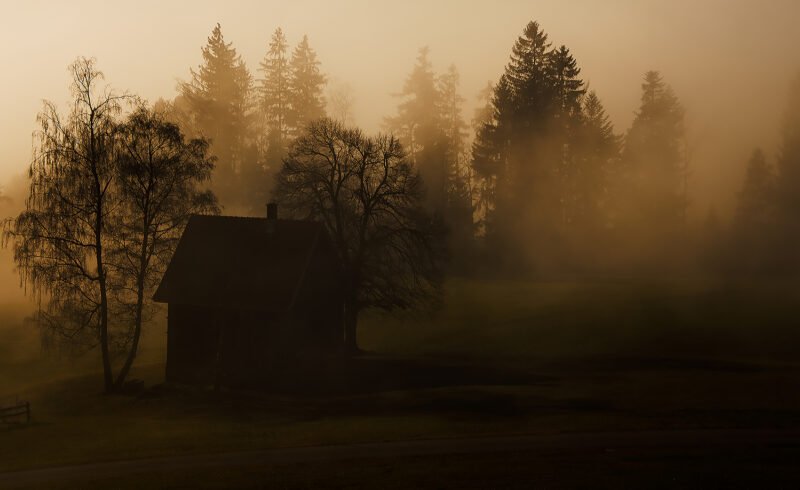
(252, 346)
(192, 339)
(321, 302)
(246, 347)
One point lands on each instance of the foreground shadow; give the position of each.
(367, 374)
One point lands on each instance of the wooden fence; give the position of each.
(16, 414)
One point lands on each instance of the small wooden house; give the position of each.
(249, 299)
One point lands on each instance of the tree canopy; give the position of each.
(108, 198)
(370, 199)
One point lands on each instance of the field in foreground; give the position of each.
(498, 358)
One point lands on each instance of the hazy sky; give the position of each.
(729, 61)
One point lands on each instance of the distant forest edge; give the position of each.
(538, 182)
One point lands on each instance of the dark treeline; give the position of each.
(539, 182)
(112, 184)
(764, 236)
(559, 190)
(250, 119)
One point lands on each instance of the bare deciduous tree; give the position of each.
(371, 201)
(107, 203)
(159, 178)
(60, 238)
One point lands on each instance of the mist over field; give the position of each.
(454, 228)
(714, 54)
(712, 60)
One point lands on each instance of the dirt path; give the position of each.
(603, 441)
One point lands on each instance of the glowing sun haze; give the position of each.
(729, 61)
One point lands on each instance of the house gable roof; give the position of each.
(254, 263)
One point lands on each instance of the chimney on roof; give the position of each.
(272, 210)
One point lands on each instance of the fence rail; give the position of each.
(19, 413)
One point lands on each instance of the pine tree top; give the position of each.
(274, 84)
(223, 71)
(417, 112)
(307, 100)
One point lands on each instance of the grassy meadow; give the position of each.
(497, 357)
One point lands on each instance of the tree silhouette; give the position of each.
(457, 209)
(61, 239)
(275, 89)
(370, 199)
(306, 97)
(417, 120)
(757, 197)
(454, 128)
(430, 124)
(595, 170)
(483, 158)
(654, 155)
(756, 224)
(525, 148)
(218, 103)
(159, 179)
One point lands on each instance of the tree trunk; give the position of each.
(137, 329)
(350, 328)
(108, 377)
(137, 333)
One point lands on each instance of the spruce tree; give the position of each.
(526, 150)
(530, 76)
(419, 126)
(756, 206)
(654, 155)
(757, 221)
(306, 98)
(458, 210)
(484, 157)
(217, 101)
(567, 86)
(451, 108)
(524, 105)
(274, 86)
(417, 121)
(455, 133)
(594, 176)
(565, 132)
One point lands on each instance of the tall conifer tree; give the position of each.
(307, 100)
(483, 154)
(455, 133)
(756, 225)
(275, 89)
(218, 103)
(527, 148)
(654, 155)
(595, 172)
(417, 121)
(458, 209)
